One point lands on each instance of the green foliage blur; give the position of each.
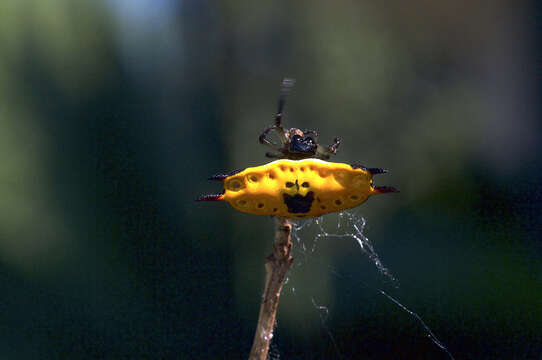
(113, 113)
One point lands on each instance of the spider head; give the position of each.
(302, 144)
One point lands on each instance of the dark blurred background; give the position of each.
(114, 113)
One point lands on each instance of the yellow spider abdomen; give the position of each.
(299, 188)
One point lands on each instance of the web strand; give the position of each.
(349, 225)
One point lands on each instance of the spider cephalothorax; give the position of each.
(295, 143)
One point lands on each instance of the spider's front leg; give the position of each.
(264, 141)
(333, 147)
(324, 153)
(285, 87)
(277, 127)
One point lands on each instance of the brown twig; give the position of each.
(276, 267)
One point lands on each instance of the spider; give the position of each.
(300, 184)
(295, 143)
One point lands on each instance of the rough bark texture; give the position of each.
(276, 267)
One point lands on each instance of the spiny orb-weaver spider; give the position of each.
(301, 184)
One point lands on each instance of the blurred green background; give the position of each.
(114, 113)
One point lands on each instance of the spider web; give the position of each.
(348, 225)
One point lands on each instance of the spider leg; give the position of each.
(264, 141)
(285, 87)
(324, 153)
(284, 136)
(277, 127)
(333, 147)
(213, 197)
(384, 189)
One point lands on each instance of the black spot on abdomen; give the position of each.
(298, 204)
